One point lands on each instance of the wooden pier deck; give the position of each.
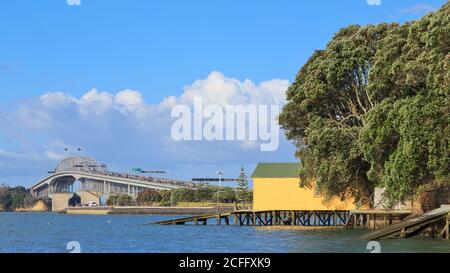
(268, 218)
(196, 219)
(393, 222)
(438, 220)
(375, 218)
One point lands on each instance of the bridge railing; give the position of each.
(162, 181)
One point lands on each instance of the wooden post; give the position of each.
(235, 219)
(368, 221)
(385, 220)
(375, 221)
(294, 219)
(447, 224)
(355, 220)
(403, 233)
(314, 218)
(334, 218)
(254, 219)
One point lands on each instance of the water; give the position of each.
(47, 232)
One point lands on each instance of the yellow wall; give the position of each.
(286, 194)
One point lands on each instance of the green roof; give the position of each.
(276, 170)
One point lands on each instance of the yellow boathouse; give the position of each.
(276, 186)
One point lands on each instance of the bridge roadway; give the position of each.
(128, 180)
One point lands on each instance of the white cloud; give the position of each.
(54, 156)
(130, 102)
(374, 2)
(220, 90)
(95, 102)
(418, 9)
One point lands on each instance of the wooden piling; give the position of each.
(447, 224)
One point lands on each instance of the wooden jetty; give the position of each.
(436, 220)
(375, 218)
(393, 223)
(269, 218)
(197, 219)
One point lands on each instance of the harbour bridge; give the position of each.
(90, 181)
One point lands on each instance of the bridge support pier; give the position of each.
(88, 196)
(60, 201)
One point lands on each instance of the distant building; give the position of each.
(276, 186)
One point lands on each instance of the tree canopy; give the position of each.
(372, 109)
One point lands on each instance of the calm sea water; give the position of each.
(47, 232)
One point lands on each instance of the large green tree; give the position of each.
(337, 109)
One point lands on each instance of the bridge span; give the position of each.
(88, 180)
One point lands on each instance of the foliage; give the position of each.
(148, 197)
(29, 201)
(226, 195)
(166, 196)
(14, 198)
(120, 200)
(408, 143)
(355, 108)
(204, 194)
(184, 195)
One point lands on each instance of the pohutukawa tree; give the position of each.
(372, 109)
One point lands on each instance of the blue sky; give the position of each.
(157, 49)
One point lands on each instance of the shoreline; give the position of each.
(144, 210)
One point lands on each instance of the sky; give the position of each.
(104, 75)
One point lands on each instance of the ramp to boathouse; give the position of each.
(414, 226)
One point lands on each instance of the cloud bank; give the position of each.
(122, 130)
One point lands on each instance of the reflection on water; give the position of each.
(47, 232)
